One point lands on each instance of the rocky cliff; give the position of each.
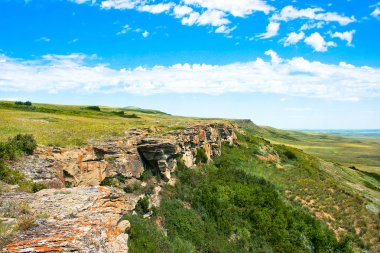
(86, 217)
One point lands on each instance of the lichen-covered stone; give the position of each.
(78, 220)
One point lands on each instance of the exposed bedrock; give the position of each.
(128, 156)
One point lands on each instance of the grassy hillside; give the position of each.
(64, 125)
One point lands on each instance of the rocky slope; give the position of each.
(87, 217)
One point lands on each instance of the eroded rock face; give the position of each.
(127, 156)
(77, 220)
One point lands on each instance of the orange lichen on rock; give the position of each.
(80, 220)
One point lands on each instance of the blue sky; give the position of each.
(288, 64)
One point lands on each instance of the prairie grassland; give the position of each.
(62, 125)
(361, 152)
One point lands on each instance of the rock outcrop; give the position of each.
(86, 217)
(75, 220)
(128, 156)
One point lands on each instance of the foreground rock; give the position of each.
(76, 220)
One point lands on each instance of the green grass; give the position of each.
(63, 125)
(361, 152)
(225, 209)
(10, 151)
(338, 196)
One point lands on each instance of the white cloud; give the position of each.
(182, 10)
(275, 59)
(318, 42)
(312, 25)
(125, 29)
(145, 34)
(120, 4)
(224, 29)
(43, 39)
(212, 17)
(209, 17)
(293, 38)
(79, 1)
(290, 13)
(376, 12)
(292, 77)
(272, 30)
(191, 12)
(191, 19)
(347, 36)
(156, 8)
(238, 8)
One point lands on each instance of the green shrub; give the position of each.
(27, 103)
(145, 237)
(131, 116)
(113, 181)
(10, 176)
(228, 210)
(290, 155)
(142, 206)
(201, 156)
(36, 187)
(68, 184)
(119, 113)
(133, 188)
(146, 175)
(93, 108)
(109, 181)
(24, 142)
(8, 151)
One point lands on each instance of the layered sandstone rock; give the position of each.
(128, 156)
(76, 220)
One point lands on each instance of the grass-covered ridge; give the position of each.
(69, 125)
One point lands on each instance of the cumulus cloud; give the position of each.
(191, 19)
(156, 8)
(275, 59)
(224, 29)
(120, 4)
(376, 12)
(290, 77)
(238, 8)
(347, 36)
(293, 38)
(319, 44)
(272, 30)
(290, 13)
(192, 12)
(209, 17)
(213, 17)
(182, 10)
